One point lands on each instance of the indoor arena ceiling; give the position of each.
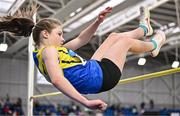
(75, 15)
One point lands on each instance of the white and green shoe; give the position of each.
(145, 21)
(158, 41)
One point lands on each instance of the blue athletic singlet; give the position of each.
(85, 76)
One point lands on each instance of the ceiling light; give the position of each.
(175, 64)
(72, 14)
(141, 61)
(176, 30)
(3, 47)
(78, 10)
(172, 24)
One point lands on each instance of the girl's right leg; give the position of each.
(118, 51)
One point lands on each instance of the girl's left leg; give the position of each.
(118, 51)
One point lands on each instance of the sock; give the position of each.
(154, 43)
(144, 28)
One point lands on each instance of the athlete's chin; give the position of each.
(61, 44)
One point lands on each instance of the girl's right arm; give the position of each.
(50, 57)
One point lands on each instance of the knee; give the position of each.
(126, 40)
(119, 37)
(114, 36)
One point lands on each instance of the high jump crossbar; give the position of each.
(126, 81)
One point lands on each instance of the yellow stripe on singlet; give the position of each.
(67, 59)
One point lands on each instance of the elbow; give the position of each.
(55, 81)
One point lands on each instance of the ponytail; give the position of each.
(21, 23)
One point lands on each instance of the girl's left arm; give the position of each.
(87, 34)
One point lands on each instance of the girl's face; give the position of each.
(56, 36)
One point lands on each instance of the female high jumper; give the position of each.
(70, 73)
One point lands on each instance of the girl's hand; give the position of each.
(103, 14)
(96, 105)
